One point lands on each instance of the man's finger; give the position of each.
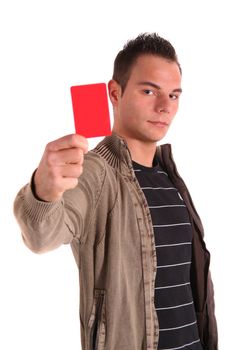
(68, 141)
(71, 171)
(65, 156)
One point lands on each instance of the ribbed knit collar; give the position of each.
(115, 151)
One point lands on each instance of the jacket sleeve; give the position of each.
(47, 225)
(211, 321)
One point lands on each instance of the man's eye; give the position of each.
(148, 92)
(174, 97)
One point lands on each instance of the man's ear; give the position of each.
(114, 91)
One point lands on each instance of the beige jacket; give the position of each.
(107, 221)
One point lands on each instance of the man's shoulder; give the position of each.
(93, 158)
(96, 166)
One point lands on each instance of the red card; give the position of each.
(91, 112)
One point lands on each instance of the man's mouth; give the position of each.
(158, 123)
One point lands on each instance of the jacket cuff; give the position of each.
(37, 209)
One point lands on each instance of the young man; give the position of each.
(135, 234)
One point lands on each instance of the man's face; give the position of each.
(150, 100)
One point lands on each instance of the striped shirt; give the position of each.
(173, 240)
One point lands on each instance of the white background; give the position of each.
(47, 46)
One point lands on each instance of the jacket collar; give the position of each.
(115, 151)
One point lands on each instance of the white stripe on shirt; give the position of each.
(171, 329)
(167, 206)
(161, 172)
(159, 188)
(183, 346)
(174, 307)
(173, 245)
(170, 225)
(174, 286)
(185, 263)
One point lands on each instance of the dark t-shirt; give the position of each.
(173, 240)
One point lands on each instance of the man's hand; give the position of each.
(60, 167)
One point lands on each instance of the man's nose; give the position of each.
(162, 104)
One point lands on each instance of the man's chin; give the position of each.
(156, 138)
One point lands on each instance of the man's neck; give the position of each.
(141, 152)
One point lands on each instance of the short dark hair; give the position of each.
(143, 44)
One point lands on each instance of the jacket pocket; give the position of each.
(97, 322)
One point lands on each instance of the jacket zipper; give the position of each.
(94, 345)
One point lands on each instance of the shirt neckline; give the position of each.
(155, 167)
